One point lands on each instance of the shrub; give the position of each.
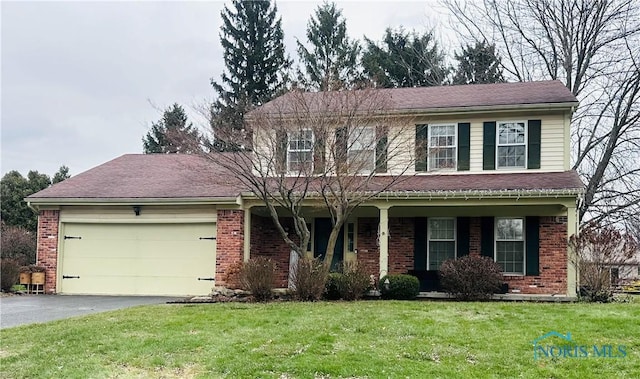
(18, 244)
(258, 276)
(594, 250)
(309, 279)
(355, 281)
(9, 273)
(471, 277)
(399, 287)
(332, 288)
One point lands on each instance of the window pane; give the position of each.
(361, 138)
(441, 228)
(510, 229)
(511, 156)
(442, 146)
(440, 251)
(510, 256)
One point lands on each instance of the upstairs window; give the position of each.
(442, 241)
(512, 144)
(361, 152)
(442, 147)
(510, 245)
(300, 151)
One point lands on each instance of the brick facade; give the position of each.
(553, 261)
(266, 241)
(47, 246)
(230, 244)
(367, 244)
(401, 235)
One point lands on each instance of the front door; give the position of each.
(321, 239)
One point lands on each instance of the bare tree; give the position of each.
(593, 47)
(322, 150)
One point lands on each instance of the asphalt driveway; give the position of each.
(29, 309)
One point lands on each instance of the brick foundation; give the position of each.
(47, 247)
(230, 245)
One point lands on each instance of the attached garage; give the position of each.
(137, 259)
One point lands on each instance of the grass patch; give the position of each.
(373, 339)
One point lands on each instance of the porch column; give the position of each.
(572, 270)
(247, 234)
(383, 240)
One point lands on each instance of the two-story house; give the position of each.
(485, 171)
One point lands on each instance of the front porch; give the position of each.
(390, 238)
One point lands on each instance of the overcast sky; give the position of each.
(83, 81)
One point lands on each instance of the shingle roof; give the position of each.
(179, 176)
(440, 97)
(140, 176)
(525, 181)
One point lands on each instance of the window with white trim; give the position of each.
(511, 149)
(510, 245)
(442, 241)
(442, 147)
(361, 154)
(300, 151)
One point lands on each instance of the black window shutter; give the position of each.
(319, 154)
(486, 237)
(420, 244)
(342, 139)
(464, 144)
(281, 151)
(381, 149)
(421, 147)
(533, 139)
(489, 146)
(462, 236)
(532, 245)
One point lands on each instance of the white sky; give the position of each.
(83, 81)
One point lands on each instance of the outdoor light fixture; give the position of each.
(386, 284)
(136, 210)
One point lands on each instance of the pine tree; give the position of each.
(405, 59)
(172, 134)
(331, 62)
(478, 64)
(255, 61)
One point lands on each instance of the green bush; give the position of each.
(399, 287)
(332, 288)
(309, 279)
(471, 277)
(258, 276)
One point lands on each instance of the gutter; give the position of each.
(35, 203)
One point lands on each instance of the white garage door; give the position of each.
(138, 259)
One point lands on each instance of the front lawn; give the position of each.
(372, 339)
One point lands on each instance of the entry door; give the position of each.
(321, 239)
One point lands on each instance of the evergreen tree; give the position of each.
(478, 64)
(15, 187)
(255, 61)
(62, 174)
(405, 59)
(331, 62)
(172, 134)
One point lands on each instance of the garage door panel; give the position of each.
(138, 259)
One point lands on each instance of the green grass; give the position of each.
(374, 339)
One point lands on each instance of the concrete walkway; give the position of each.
(29, 309)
